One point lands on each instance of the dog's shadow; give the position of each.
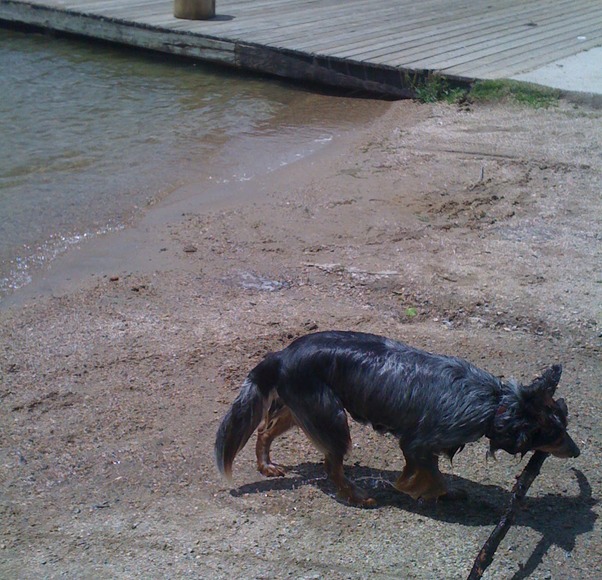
(558, 518)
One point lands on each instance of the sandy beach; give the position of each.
(472, 231)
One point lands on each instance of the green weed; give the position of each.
(435, 88)
(534, 96)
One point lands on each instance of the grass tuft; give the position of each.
(529, 94)
(435, 88)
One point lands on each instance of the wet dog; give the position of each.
(433, 404)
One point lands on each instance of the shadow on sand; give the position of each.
(558, 518)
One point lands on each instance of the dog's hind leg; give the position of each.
(278, 419)
(319, 412)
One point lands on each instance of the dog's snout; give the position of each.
(567, 448)
(574, 450)
(564, 448)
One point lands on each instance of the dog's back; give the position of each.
(430, 402)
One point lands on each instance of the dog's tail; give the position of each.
(246, 413)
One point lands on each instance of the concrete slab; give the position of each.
(581, 73)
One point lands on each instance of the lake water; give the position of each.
(91, 135)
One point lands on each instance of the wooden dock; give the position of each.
(382, 45)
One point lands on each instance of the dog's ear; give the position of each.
(547, 383)
(562, 405)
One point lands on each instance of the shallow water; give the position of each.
(91, 135)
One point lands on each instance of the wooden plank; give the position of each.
(516, 38)
(59, 20)
(471, 26)
(500, 47)
(378, 32)
(369, 23)
(286, 22)
(504, 65)
(356, 43)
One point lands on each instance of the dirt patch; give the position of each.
(468, 232)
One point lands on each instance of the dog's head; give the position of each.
(529, 419)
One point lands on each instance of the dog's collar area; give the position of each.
(499, 410)
(492, 433)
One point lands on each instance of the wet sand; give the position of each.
(471, 231)
(245, 168)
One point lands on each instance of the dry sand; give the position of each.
(471, 231)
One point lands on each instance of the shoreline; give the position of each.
(169, 124)
(121, 249)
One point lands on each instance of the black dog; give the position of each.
(433, 404)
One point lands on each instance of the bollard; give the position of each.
(194, 9)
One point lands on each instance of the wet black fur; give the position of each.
(433, 404)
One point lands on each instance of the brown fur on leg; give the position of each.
(346, 490)
(421, 479)
(277, 421)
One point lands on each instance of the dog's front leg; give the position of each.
(346, 490)
(421, 478)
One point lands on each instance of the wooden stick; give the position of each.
(522, 485)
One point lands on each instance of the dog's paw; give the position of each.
(454, 495)
(357, 498)
(272, 470)
(367, 502)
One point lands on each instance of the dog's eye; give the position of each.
(560, 421)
